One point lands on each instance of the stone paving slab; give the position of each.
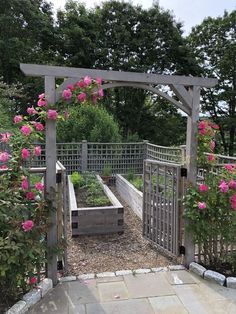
(110, 279)
(111, 291)
(58, 301)
(148, 285)
(151, 293)
(170, 304)
(134, 306)
(180, 277)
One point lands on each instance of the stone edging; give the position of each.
(31, 298)
(229, 282)
(122, 273)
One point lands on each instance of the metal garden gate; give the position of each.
(162, 205)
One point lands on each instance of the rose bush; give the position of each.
(24, 214)
(211, 205)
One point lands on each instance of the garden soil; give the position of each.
(102, 253)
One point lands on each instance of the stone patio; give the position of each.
(162, 292)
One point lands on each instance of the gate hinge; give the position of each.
(183, 172)
(58, 177)
(182, 250)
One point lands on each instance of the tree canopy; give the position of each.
(214, 46)
(121, 36)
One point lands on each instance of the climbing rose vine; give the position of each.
(24, 214)
(211, 205)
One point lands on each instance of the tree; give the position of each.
(133, 39)
(77, 36)
(88, 122)
(9, 97)
(214, 45)
(27, 35)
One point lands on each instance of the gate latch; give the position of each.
(182, 250)
(183, 172)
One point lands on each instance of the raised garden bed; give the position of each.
(89, 220)
(130, 194)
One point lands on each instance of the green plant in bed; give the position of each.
(77, 179)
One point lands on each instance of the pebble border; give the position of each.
(229, 282)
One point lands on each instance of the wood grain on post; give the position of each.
(51, 158)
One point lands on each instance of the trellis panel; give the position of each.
(161, 205)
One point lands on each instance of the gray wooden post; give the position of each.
(84, 156)
(51, 159)
(191, 164)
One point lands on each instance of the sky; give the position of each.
(189, 12)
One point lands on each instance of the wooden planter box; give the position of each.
(95, 220)
(132, 196)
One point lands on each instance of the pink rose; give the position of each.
(37, 151)
(81, 84)
(223, 187)
(100, 93)
(42, 103)
(212, 145)
(201, 205)
(30, 196)
(71, 87)
(99, 80)
(202, 125)
(4, 157)
(215, 126)
(18, 119)
(87, 80)
(202, 132)
(67, 94)
(39, 186)
(203, 188)
(38, 126)
(41, 96)
(25, 184)
(32, 280)
(210, 157)
(27, 225)
(25, 153)
(5, 137)
(232, 184)
(94, 98)
(233, 201)
(52, 114)
(3, 167)
(81, 97)
(31, 111)
(26, 130)
(229, 167)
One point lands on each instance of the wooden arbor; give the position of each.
(187, 90)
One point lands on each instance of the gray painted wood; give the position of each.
(95, 220)
(57, 71)
(152, 89)
(51, 181)
(84, 156)
(183, 95)
(191, 163)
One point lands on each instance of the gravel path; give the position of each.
(93, 254)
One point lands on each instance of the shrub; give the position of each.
(211, 205)
(89, 122)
